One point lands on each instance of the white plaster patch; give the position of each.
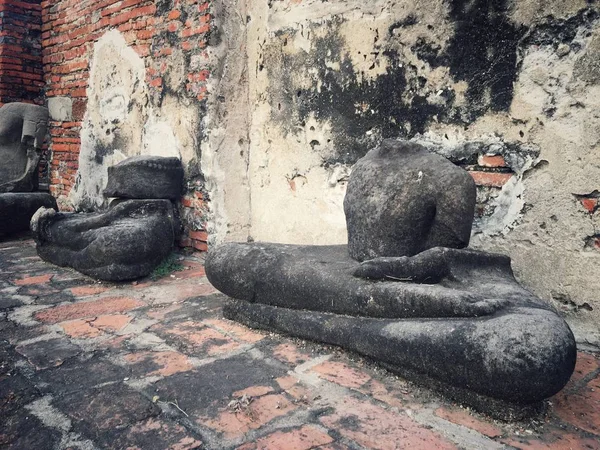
(158, 139)
(111, 129)
(60, 108)
(120, 121)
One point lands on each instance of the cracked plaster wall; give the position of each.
(325, 81)
(122, 121)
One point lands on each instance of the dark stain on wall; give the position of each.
(360, 111)
(561, 31)
(483, 52)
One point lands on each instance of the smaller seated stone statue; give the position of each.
(131, 237)
(22, 132)
(405, 291)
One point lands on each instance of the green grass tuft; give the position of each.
(168, 265)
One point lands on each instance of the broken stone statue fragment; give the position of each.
(22, 132)
(124, 242)
(129, 178)
(405, 291)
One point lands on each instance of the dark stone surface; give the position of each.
(126, 242)
(196, 390)
(76, 375)
(510, 360)
(22, 133)
(104, 413)
(497, 340)
(146, 177)
(402, 200)
(24, 431)
(16, 210)
(50, 353)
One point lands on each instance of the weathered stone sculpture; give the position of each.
(420, 305)
(22, 132)
(406, 200)
(128, 240)
(129, 178)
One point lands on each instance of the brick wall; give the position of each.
(21, 76)
(153, 28)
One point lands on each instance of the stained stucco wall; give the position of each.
(509, 90)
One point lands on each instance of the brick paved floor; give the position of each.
(153, 365)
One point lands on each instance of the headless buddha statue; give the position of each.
(405, 291)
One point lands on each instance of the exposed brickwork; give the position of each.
(154, 30)
(21, 78)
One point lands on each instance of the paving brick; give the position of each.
(462, 417)
(157, 363)
(197, 339)
(259, 412)
(77, 375)
(88, 309)
(175, 292)
(586, 365)
(207, 390)
(290, 354)
(396, 396)
(295, 389)
(580, 409)
(157, 434)
(253, 391)
(103, 413)
(240, 332)
(342, 374)
(41, 290)
(15, 392)
(23, 431)
(559, 441)
(80, 329)
(85, 291)
(160, 312)
(376, 428)
(303, 438)
(9, 302)
(38, 279)
(50, 353)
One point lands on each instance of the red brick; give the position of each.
(239, 332)
(199, 339)
(491, 161)
(39, 279)
(258, 413)
(290, 353)
(376, 428)
(461, 417)
(491, 179)
(199, 245)
(84, 291)
(341, 374)
(253, 391)
(590, 204)
(303, 438)
(163, 363)
(174, 14)
(199, 235)
(83, 310)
